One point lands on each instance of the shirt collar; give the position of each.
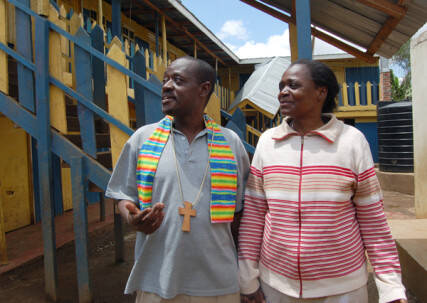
(329, 131)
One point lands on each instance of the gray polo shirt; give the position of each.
(169, 262)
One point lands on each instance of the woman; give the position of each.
(313, 204)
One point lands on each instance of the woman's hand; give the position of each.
(256, 297)
(399, 301)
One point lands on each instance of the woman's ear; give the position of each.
(322, 93)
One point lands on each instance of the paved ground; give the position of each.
(25, 284)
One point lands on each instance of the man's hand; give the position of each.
(256, 297)
(399, 301)
(146, 221)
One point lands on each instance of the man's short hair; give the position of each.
(205, 72)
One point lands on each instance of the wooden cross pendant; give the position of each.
(187, 211)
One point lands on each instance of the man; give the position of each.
(179, 183)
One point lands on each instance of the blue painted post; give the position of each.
(78, 185)
(84, 87)
(303, 19)
(44, 154)
(36, 186)
(57, 185)
(157, 34)
(97, 37)
(24, 47)
(116, 18)
(375, 94)
(140, 69)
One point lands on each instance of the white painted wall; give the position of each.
(419, 99)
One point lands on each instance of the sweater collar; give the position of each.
(329, 131)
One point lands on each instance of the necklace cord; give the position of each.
(179, 177)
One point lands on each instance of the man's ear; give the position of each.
(205, 88)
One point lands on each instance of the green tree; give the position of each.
(402, 58)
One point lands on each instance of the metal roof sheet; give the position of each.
(262, 87)
(359, 24)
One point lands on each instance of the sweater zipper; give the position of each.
(299, 217)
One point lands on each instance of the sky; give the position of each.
(247, 31)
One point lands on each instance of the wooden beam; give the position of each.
(342, 45)
(293, 41)
(382, 34)
(171, 21)
(391, 9)
(315, 32)
(195, 49)
(385, 30)
(270, 11)
(164, 41)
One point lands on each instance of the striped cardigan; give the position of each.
(313, 205)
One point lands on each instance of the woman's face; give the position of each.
(299, 97)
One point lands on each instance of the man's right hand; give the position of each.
(146, 221)
(256, 297)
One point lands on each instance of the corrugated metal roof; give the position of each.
(262, 87)
(359, 23)
(144, 14)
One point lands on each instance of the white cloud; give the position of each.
(276, 45)
(233, 28)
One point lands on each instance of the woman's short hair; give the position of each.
(322, 76)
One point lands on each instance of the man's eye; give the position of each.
(177, 79)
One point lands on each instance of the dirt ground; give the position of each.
(26, 284)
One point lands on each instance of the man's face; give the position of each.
(181, 90)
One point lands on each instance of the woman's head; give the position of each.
(307, 87)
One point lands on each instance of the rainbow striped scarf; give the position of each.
(222, 163)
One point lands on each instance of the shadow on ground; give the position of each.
(26, 284)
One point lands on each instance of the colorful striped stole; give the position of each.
(222, 163)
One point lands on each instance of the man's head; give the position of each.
(187, 86)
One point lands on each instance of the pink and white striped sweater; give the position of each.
(313, 205)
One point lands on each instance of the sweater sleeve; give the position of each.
(376, 235)
(252, 226)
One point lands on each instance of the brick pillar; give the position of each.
(385, 83)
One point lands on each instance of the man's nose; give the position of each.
(167, 85)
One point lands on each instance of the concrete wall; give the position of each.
(419, 99)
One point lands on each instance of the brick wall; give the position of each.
(385, 83)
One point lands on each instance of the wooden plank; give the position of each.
(79, 187)
(42, 7)
(4, 78)
(182, 28)
(24, 48)
(67, 197)
(84, 88)
(386, 6)
(356, 94)
(44, 155)
(164, 39)
(117, 91)
(97, 40)
(344, 94)
(382, 34)
(157, 45)
(58, 117)
(3, 247)
(76, 21)
(11, 22)
(213, 108)
(139, 61)
(368, 93)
